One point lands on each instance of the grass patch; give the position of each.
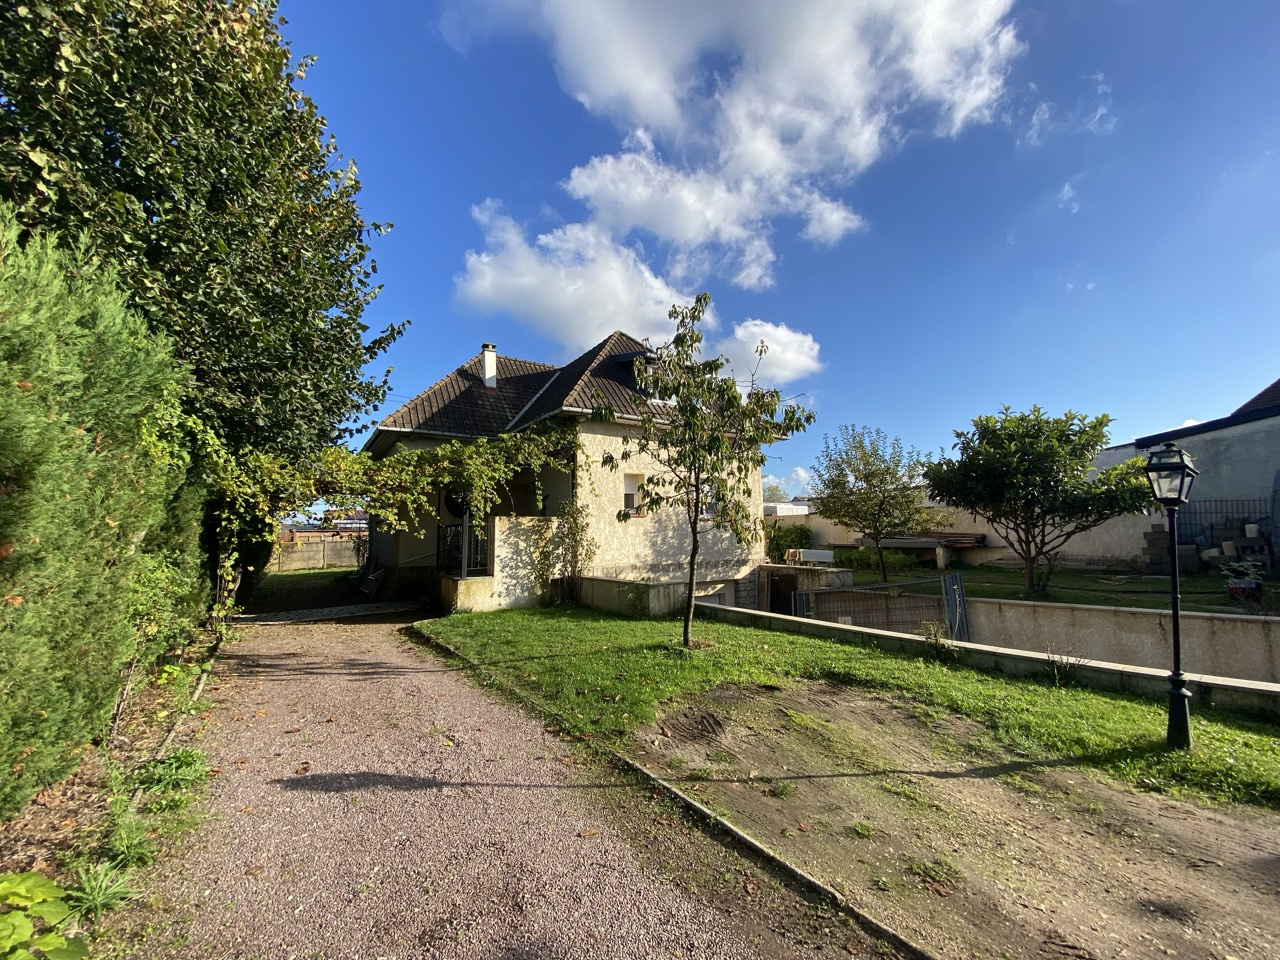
(603, 675)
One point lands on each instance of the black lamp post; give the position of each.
(1171, 473)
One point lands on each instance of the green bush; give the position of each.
(864, 558)
(89, 472)
(778, 539)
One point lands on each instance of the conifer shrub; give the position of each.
(91, 481)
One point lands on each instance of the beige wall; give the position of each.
(516, 539)
(1235, 463)
(1221, 645)
(655, 546)
(316, 555)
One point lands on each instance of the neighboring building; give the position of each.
(792, 509)
(490, 395)
(1238, 457)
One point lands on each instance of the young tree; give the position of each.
(1032, 478)
(865, 481)
(773, 492)
(705, 436)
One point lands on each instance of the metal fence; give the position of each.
(476, 559)
(1197, 518)
(903, 607)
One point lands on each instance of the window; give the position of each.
(631, 494)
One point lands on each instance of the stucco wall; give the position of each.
(1247, 648)
(655, 546)
(317, 555)
(513, 584)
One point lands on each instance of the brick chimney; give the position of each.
(489, 364)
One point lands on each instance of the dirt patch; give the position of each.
(923, 824)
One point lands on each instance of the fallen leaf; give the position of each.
(304, 768)
(333, 719)
(589, 832)
(253, 871)
(804, 827)
(247, 809)
(294, 730)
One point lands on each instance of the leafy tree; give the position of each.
(1032, 478)
(705, 435)
(171, 134)
(773, 492)
(865, 481)
(778, 539)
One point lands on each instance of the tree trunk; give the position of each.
(884, 574)
(693, 577)
(1029, 577)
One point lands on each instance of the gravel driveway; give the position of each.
(373, 803)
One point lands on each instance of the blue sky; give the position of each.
(927, 208)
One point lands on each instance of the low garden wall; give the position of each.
(640, 598)
(318, 555)
(1247, 648)
(1208, 691)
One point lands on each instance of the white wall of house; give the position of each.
(655, 546)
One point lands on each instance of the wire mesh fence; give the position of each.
(906, 606)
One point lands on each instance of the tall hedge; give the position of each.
(89, 479)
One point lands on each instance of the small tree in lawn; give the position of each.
(865, 481)
(1032, 478)
(705, 435)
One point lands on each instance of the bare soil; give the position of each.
(926, 826)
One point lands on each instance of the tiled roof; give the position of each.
(460, 406)
(602, 375)
(1270, 397)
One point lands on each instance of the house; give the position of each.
(492, 394)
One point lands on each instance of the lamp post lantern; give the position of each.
(1172, 472)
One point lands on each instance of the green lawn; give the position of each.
(602, 675)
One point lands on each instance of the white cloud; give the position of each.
(1067, 198)
(768, 108)
(791, 355)
(1092, 114)
(1191, 423)
(576, 285)
(573, 283)
(796, 482)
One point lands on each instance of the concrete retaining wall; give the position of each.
(1247, 648)
(632, 598)
(1208, 691)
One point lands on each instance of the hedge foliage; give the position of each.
(97, 561)
(778, 539)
